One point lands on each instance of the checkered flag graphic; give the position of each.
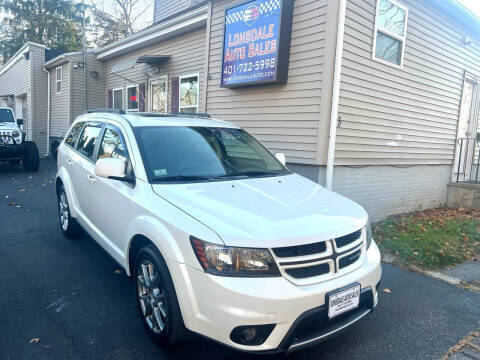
(266, 6)
(269, 5)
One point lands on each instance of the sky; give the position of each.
(473, 5)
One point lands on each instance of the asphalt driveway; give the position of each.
(68, 295)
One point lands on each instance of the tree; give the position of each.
(54, 23)
(116, 19)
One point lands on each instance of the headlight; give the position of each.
(368, 229)
(15, 133)
(233, 261)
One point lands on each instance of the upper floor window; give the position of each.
(132, 98)
(188, 93)
(390, 32)
(58, 80)
(117, 98)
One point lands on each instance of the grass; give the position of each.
(431, 239)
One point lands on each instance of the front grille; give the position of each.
(310, 271)
(348, 239)
(295, 260)
(301, 250)
(349, 259)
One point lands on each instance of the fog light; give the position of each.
(251, 334)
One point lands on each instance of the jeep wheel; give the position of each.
(14, 162)
(156, 298)
(31, 159)
(68, 225)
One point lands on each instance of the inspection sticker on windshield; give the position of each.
(343, 301)
(160, 172)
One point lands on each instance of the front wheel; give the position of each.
(68, 225)
(156, 298)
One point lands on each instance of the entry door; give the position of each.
(159, 95)
(467, 132)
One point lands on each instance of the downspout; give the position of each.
(336, 93)
(48, 112)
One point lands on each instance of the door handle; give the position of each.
(91, 178)
(70, 162)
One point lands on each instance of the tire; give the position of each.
(156, 298)
(31, 159)
(69, 226)
(14, 162)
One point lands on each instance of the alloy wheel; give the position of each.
(151, 296)
(63, 211)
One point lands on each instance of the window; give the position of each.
(58, 80)
(188, 93)
(113, 146)
(88, 139)
(117, 98)
(180, 153)
(390, 32)
(72, 136)
(132, 98)
(158, 96)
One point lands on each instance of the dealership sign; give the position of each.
(256, 44)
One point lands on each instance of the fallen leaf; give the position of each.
(11, 203)
(30, 177)
(387, 290)
(118, 271)
(22, 190)
(34, 340)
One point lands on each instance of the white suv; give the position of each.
(218, 235)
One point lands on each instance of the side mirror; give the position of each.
(281, 157)
(112, 168)
(19, 122)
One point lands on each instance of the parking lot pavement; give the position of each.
(68, 295)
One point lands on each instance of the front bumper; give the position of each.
(213, 305)
(12, 151)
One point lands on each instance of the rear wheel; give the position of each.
(156, 298)
(68, 225)
(31, 159)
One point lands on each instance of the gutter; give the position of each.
(48, 111)
(336, 93)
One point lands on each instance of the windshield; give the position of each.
(6, 116)
(185, 154)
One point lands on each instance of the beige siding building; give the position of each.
(378, 96)
(160, 69)
(68, 98)
(23, 84)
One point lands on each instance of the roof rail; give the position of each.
(179, 114)
(106, 110)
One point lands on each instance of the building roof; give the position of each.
(182, 22)
(17, 56)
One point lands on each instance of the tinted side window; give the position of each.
(112, 146)
(72, 136)
(88, 139)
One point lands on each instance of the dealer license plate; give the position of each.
(343, 301)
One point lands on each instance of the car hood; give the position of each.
(267, 212)
(8, 126)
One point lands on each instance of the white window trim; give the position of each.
(150, 96)
(400, 38)
(113, 97)
(180, 107)
(58, 80)
(126, 98)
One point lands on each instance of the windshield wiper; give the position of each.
(182, 178)
(259, 173)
